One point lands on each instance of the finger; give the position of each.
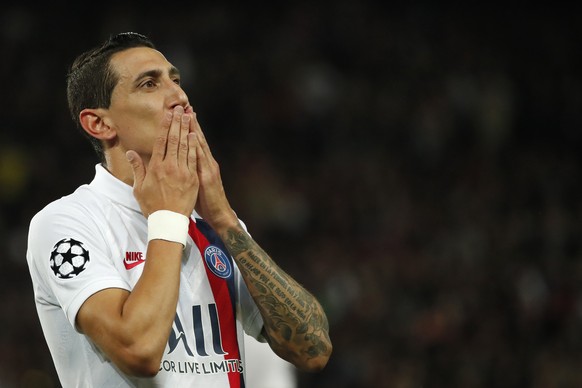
(137, 167)
(202, 140)
(183, 148)
(195, 135)
(174, 134)
(159, 150)
(202, 164)
(192, 154)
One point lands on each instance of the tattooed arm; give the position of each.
(296, 326)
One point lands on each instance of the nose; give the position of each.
(177, 95)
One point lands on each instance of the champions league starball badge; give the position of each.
(217, 262)
(69, 258)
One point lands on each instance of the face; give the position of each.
(148, 87)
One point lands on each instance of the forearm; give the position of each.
(295, 323)
(151, 307)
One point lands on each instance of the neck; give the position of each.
(117, 164)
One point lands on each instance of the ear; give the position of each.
(94, 123)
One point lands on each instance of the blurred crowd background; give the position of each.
(415, 166)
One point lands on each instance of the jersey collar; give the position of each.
(114, 189)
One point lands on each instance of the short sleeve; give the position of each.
(252, 320)
(69, 257)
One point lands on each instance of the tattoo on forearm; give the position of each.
(291, 313)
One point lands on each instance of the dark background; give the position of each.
(415, 166)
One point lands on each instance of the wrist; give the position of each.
(168, 225)
(227, 222)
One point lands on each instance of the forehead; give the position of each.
(129, 63)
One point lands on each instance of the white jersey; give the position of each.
(96, 238)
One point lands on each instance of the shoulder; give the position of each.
(81, 201)
(76, 214)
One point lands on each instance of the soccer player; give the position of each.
(146, 277)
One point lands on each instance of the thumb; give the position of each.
(137, 166)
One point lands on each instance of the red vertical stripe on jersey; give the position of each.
(225, 306)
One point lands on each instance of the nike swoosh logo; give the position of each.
(129, 263)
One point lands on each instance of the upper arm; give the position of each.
(132, 327)
(99, 315)
(101, 319)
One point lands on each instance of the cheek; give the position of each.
(143, 128)
(137, 123)
(140, 120)
(150, 115)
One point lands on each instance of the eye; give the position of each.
(176, 81)
(148, 84)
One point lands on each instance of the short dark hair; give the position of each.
(91, 80)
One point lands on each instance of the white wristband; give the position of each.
(169, 226)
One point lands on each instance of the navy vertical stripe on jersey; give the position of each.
(198, 331)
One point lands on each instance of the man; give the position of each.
(146, 277)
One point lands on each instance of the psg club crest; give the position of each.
(217, 261)
(69, 258)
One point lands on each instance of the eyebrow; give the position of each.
(156, 73)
